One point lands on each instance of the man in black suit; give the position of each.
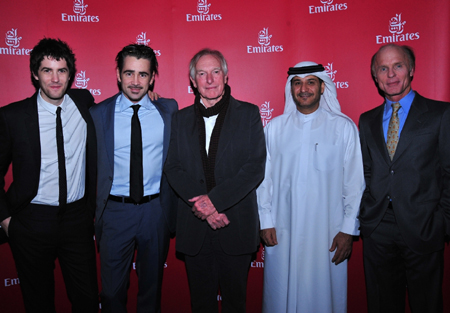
(48, 210)
(405, 209)
(215, 162)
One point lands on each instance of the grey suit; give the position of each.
(116, 223)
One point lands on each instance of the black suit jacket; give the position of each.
(20, 146)
(239, 169)
(417, 180)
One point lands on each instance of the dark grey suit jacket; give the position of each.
(103, 115)
(417, 180)
(239, 169)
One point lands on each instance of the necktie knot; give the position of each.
(136, 108)
(395, 107)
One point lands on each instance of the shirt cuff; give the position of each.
(265, 220)
(350, 226)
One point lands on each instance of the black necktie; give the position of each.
(136, 172)
(61, 163)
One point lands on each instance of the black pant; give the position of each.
(391, 267)
(212, 268)
(37, 238)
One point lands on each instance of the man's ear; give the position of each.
(118, 75)
(152, 80)
(193, 82)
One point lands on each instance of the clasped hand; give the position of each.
(203, 208)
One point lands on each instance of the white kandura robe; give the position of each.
(312, 190)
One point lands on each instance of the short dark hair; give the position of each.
(408, 51)
(139, 52)
(217, 54)
(55, 49)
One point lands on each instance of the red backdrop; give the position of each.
(260, 40)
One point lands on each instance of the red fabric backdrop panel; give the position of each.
(260, 40)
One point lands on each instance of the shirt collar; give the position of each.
(51, 108)
(125, 103)
(405, 103)
(310, 116)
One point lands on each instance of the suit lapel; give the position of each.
(32, 125)
(376, 128)
(83, 102)
(81, 106)
(108, 129)
(413, 124)
(166, 117)
(228, 129)
(192, 134)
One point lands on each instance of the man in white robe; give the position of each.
(309, 200)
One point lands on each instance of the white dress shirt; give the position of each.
(74, 132)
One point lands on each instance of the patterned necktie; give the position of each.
(136, 171)
(392, 135)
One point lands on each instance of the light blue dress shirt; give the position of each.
(152, 126)
(405, 104)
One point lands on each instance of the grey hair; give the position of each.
(215, 53)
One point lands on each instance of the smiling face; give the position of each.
(306, 93)
(393, 73)
(135, 78)
(209, 79)
(53, 77)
